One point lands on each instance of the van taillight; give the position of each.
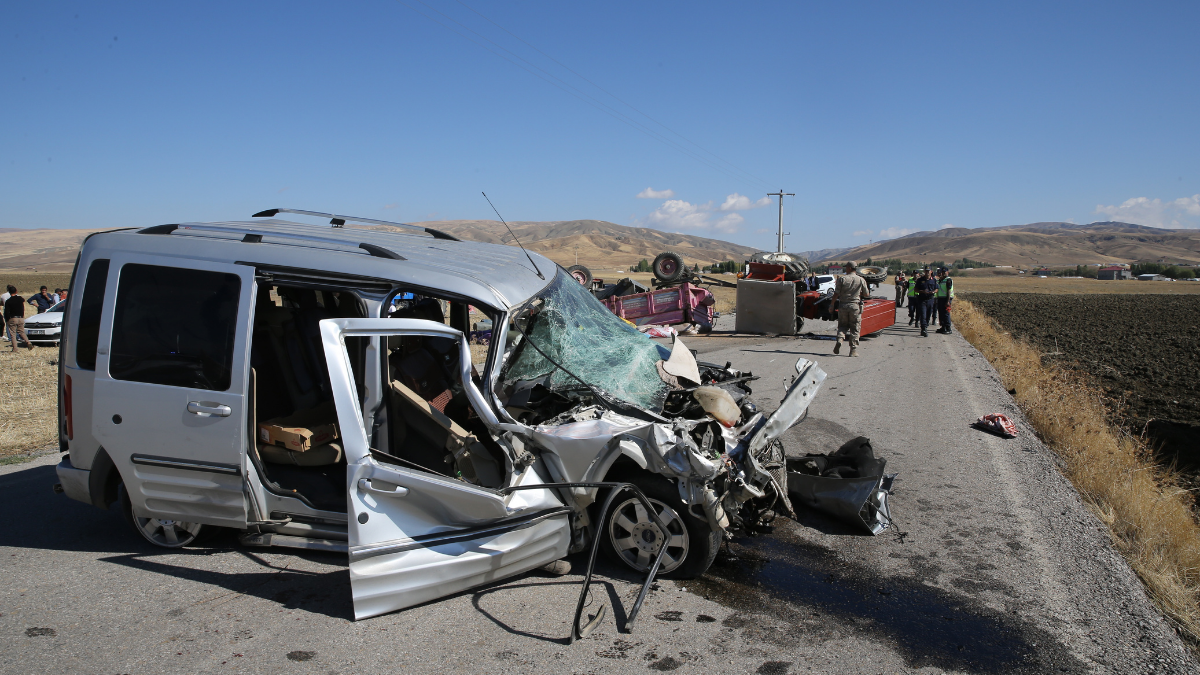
(67, 407)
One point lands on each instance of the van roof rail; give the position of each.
(252, 237)
(339, 221)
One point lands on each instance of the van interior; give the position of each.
(427, 423)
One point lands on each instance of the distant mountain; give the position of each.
(1050, 243)
(600, 245)
(823, 254)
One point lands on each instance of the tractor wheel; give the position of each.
(668, 267)
(581, 274)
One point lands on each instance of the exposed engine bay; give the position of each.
(593, 389)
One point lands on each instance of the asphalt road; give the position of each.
(1000, 568)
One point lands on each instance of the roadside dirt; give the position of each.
(1141, 350)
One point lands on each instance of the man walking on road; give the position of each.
(926, 290)
(945, 294)
(900, 288)
(849, 290)
(14, 318)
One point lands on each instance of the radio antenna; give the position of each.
(535, 267)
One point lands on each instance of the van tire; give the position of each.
(698, 540)
(161, 533)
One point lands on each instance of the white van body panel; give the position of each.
(177, 461)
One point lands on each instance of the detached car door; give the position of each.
(414, 535)
(169, 404)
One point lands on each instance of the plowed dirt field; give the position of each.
(1143, 350)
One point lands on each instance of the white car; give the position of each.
(47, 326)
(825, 283)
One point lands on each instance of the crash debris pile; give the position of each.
(590, 384)
(848, 484)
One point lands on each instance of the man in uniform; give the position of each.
(926, 290)
(849, 290)
(911, 289)
(945, 295)
(900, 288)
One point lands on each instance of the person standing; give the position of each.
(926, 290)
(911, 290)
(945, 295)
(849, 290)
(43, 300)
(4, 323)
(14, 318)
(900, 288)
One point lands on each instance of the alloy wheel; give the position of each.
(637, 540)
(167, 533)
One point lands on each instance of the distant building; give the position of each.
(835, 269)
(1151, 277)
(1043, 273)
(1113, 273)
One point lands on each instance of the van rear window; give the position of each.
(89, 314)
(175, 327)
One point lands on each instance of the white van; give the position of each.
(314, 387)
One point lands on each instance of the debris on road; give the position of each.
(849, 484)
(996, 423)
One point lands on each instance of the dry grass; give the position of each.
(28, 400)
(1058, 285)
(28, 283)
(1147, 514)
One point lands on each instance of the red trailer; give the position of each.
(684, 303)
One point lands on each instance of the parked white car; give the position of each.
(825, 283)
(47, 326)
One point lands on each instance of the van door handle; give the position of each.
(209, 409)
(364, 484)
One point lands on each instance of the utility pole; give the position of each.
(781, 194)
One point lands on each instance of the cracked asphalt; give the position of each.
(995, 566)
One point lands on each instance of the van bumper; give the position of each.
(74, 481)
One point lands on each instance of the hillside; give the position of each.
(44, 250)
(601, 245)
(1040, 244)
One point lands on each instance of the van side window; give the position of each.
(89, 314)
(175, 327)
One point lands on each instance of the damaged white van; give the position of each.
(320, 387)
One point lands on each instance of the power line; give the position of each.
(573, 91)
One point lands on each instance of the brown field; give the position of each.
(1149, 517)
(1061, 285)
(28, 401)
(28, 283)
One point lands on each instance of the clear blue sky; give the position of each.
(881, 117)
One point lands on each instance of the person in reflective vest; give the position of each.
(911, 284)
(945, 295)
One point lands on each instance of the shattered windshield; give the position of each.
(569, 325)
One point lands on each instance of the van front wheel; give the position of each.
(159, 531)
(631, 536)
